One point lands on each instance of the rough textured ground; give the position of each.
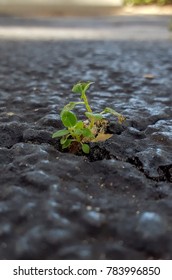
(117, 202)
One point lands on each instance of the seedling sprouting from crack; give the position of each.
(78, 132)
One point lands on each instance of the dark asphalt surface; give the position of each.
(115, 203)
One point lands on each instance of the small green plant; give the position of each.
(79, 133)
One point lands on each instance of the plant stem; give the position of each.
(84, 97)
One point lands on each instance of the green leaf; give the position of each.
(110, 111)
(120, 117)
(81, 86)
(77, 88)
(70, 106)
(63, 140)
(94, 116)
(60, 133)
(78, 132)
(66, 144)
(79, 125)
(86, 132)
(68, 118)
(86, 86)
(85, 148)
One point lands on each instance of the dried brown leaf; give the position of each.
(102, 137)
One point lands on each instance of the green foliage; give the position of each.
(93, 116)
(120, 117)
(83, 132)
(68, 118)
(60, 133)
(81, 87)
(85, 148)
(147, 2)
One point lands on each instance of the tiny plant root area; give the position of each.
(99, 198)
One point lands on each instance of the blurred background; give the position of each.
(82, 7)
(85, 19)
